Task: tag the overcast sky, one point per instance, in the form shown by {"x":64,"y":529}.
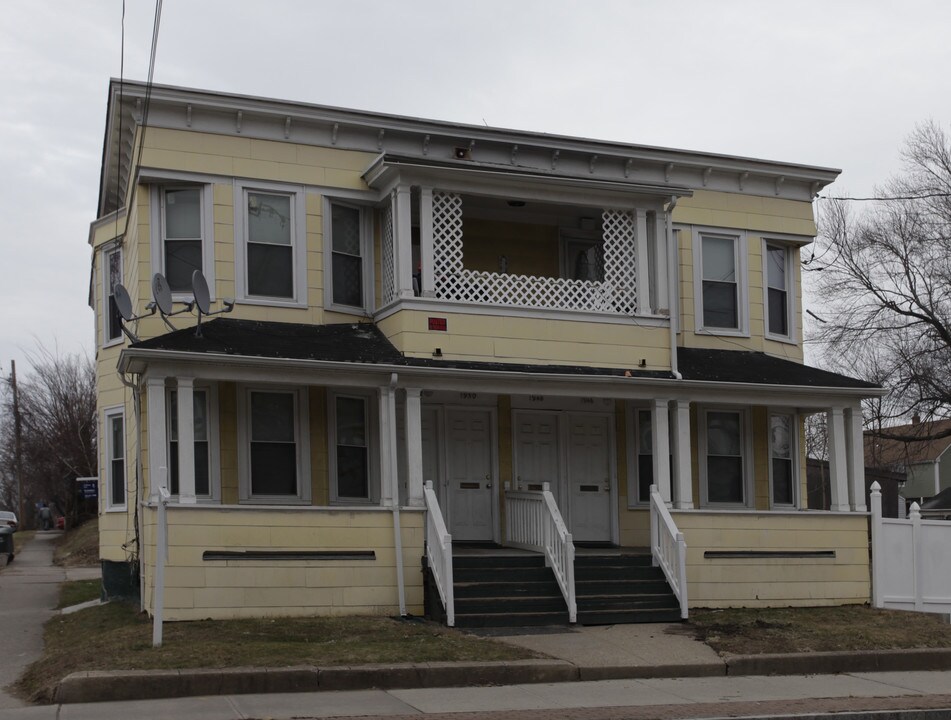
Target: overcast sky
{"x":837,"y":84}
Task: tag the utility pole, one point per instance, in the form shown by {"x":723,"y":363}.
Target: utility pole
{"x":17,"y":435}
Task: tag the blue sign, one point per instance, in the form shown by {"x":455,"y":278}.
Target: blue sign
{"x":89,"y":489}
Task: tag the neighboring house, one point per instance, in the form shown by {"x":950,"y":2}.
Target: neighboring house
{"x":820,"y":491}
{"x":486,"y":309}
{"x":938,"y":507}
{"x":925,"y":462}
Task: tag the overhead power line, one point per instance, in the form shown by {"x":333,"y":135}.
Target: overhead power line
{"x":926,"y":196}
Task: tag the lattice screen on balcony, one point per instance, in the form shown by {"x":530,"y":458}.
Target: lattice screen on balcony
{"x":616,"y":294}
{"x":387,"y":264}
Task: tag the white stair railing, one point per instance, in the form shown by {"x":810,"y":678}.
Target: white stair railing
{"x":439,"y":552}
{"x":533,"y":522}
{"x":668,"y":548}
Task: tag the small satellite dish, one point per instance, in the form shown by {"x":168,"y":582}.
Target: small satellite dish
{"x":123,"y":302}
{"x":200,"y":290}
{"x":162,"y":293}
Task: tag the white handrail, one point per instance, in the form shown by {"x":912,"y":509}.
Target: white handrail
{"x":439,"y":552}
{"x":668,"y":548}
{"x":533,"y":522}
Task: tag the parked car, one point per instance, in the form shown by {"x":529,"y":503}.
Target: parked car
{"x":8,"y":519}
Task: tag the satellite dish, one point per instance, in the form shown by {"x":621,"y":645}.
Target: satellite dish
{"x":200,"y":290}
{"x":162,"y":293}
{"x":123,"y":302}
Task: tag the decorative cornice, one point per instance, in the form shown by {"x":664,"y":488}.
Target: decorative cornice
{"x":558,"y":155}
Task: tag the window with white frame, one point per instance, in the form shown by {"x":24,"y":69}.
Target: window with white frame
{"x":271,"y":254}
{"x":720,"y":273}
{"x":183,"y":241}
{"x":202,"y":434}
{"x":645,"y":456}
{"x":582,"y":255}
{"x":347,"y":241}
{"x":115,"y":457}
{"x":778,"y":261}
{"x":111,"y":276}
{"x":274,"y":440}
{"x":351,"y":461}
{"x":724,"y":458}
{"x":782,"y":466}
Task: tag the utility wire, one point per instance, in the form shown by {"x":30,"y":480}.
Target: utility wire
{"x":148,"y":89}
{"x":925,"y":196}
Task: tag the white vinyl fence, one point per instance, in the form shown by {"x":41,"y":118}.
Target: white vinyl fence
{"x":911,"y":560}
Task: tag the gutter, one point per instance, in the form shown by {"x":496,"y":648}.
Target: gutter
{"x":673,"y":294}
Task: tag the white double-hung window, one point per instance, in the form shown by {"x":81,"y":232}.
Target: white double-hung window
{"x":720,"y":279}
{"x":273,"y":435}
{"x":347,"y":234}
{"x":724,"y":468}
{"x":777,"y":273}
{"x":183,"y":241}
{"x":111,"y":276}
{"x":270,"y":228}
{"x":114,"y":421}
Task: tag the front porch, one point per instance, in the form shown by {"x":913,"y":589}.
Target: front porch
{"x":708,"y":475}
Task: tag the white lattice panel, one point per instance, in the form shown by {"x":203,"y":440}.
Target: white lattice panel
{"x":616,"y":294}
{"x":447,"y":236}
{"x":620,"y":258}
{"x":387,"y":264}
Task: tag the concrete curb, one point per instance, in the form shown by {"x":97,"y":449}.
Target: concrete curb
{"x":105,"y":686}
{"x":830,"y":663}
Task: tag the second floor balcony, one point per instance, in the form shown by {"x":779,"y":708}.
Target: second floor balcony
{"x":525,"y":247}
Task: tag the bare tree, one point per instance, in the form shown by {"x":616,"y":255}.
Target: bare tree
{"x":58,"y":415}
{"x":886,"y":283}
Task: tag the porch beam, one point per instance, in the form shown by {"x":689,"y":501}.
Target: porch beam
{"x":186,"y":440}
{"x":426,"y":252}
{"x":414,"y":448}
{"x":855,"y":458}
{"x":158,"y":439}
{"x":838,"y":463}
{"x":403,"y":241}
{"x":680,"y":434}
{"x":660,"y":441}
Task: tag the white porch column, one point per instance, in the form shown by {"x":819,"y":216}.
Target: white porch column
{"x":186,"y":440}
{"x":659,"y":241}
{"x":838,"y":463}
{"x":388,"y":475}
{"x":660,"y":437}
{"x":158,"y":440}
{"x":680,"y":434}
{"x":403,"y":239}
{"x":855,"y":458}
{"x":642,"y":267}
{"x":414,"y":447}
{"x":426,"y":254}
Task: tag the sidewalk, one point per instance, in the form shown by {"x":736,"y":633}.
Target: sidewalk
{"x":29,"y":589}
{"x":657,"y":698}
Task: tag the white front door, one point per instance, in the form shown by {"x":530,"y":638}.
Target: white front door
{"x":536,"y":437}
{"x":469,"y":477}
{"x":589,"y":478}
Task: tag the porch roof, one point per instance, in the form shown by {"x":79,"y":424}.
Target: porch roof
{"x":365,"y":344}
{"x":740,"y":366}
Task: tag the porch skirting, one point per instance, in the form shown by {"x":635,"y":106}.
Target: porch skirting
{"x":838,"y":578}
{"x":358,"y":577}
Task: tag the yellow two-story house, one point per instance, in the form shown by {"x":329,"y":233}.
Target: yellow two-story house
{"x":458,"y":357}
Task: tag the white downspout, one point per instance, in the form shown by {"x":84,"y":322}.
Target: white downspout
{"x":395,"y":491}
{"x":673,"y":286}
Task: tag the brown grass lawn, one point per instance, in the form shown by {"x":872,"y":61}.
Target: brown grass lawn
{"x":78,"y":546}
{"x":802,"y":630}
{"x":117,"y":637}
